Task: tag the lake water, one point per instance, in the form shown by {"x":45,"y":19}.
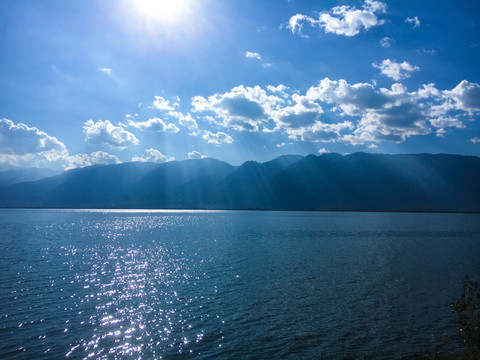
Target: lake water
{"x":227,"y":284}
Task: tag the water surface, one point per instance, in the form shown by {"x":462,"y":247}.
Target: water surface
{"x":210,"y":284}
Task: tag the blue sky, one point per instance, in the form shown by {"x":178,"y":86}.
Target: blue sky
{"x":96,"y":82}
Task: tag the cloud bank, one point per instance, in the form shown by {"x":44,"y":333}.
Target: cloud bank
{"x":24,"y":146}
{"x":336,"y":111}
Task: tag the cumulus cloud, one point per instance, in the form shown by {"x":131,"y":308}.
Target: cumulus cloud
{"x":303,"y":113}
{"x":153,"y":155}
{"x":95,"y":158}
{"x":162,"y":104}
{"x":342,"y":20}
{"x":391,"y":114}
{"x":242,"y":109}
{"x":320,"y":131}
{"x":217,"y":138}
{"x":323,"y":151}
{"x":352,"y":100}
{"x":105,"y":133}
{"x":337,"y":111}
{"x":24,"y":146}
{"x":394,"y":123}
{"x":20,"y":139}
{"x":386,"y":41}
{"x":196,"y":155}
{"x":394,"y":70}
{"x":184,"y":120}
{"x":279,"y":89}
{"x":444,"y":122}
{"x":415,"y":21}
{"x":475,"y":140}
{"x":465,"y":97}
{"x":253,"y":55}
{"x":152,"y":124}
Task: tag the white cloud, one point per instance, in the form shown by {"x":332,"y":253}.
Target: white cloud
{"x":253,"y":55}
{"x":394,"y":123}
{"x":153,"y":155}
{"x":217,"y":138}
{"x":386,"y":41}
{"x":323,"y":151}
{"x":152,"y":124}
{"x":352,"y":100}
{"x":475,"y":140}
{"x":243,"y":108}
{"x":320,"y":132}
{"x":443,"y":122}
{"x":465,"y":96}
{"x":196,"y":155}
{"x":385,"y":115}
{"x":279,"y":89}
{"x":20,"y":139}
{"x":295,"y":23}
{"x":303,"y":113}
{"x":394,"y":70}
{"x":95,"y":158}
{"x":184,"y":120}
{"x":24,"y":146}
{"x":105,"y":133}
{"x":107,"y":71}
{"x":162,"y":104}
{"x":342,"y":20}
{"x":415,"y":21}
{"x":336,"y":111}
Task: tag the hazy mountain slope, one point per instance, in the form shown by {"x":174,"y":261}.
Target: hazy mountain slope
{"x":22,"y":175}
{"x":95,"y":186}
{"x":124,"y":185}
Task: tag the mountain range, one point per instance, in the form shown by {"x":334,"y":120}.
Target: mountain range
{"x":356,"y":182}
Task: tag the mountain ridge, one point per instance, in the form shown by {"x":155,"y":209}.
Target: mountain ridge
{"x":356,"y":182}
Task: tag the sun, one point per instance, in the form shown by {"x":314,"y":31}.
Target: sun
{"x":161,"y":10}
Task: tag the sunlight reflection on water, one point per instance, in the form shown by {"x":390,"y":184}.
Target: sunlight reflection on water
{"x":133,"y":293}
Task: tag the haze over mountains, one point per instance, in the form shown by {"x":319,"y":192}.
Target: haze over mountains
{"x":357,"y":182}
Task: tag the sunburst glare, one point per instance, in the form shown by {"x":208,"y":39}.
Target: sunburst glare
{"x":162,"y":10}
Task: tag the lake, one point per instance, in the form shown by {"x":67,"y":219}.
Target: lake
{"x":230,"y":284}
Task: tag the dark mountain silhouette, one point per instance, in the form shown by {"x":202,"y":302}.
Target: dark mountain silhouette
{"x":358,"y":182}
{"x":250,"y":186}
{"x":421,"y":182}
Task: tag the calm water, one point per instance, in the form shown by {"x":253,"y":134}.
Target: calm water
{"x":207,"y":285}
